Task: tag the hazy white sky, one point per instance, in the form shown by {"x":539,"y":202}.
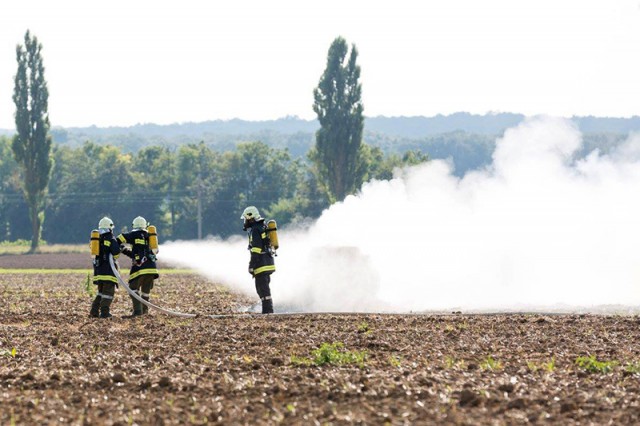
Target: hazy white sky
{"x":127,"y":62}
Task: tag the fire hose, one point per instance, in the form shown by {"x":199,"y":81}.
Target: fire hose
{"x":136,"y":296}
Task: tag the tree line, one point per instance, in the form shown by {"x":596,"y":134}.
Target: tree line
{"x":179,"y":190}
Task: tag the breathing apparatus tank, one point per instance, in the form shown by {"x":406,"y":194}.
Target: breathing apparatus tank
{"x":95,"y":242}
{"x":153,"y":239}
{"x":272,"y":228}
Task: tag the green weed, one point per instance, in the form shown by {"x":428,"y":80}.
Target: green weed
{"x":9,"y":353}
{"x":632,"y":367}
{"x":300,"y":360}
{"x":89,"y":287}
{"x":363,"y":327}
{"x":450,"y":362}
{"x":592,"y":365}
{"x":395,"y":360}
{"x":332,"y":354}
{"x":463,"y":325}
{"x":548,"y":366}
{"x":491,"y":364}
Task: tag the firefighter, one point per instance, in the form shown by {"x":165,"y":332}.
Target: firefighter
{"x":143,"y":263}
{"x":103,"y":275}
{"x":261,"y":265}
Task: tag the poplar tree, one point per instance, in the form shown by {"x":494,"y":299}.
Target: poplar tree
{"x":338,"y":155}
{"x":32,"y":143}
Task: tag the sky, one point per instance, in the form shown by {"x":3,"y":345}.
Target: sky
{"x":127,"y":62}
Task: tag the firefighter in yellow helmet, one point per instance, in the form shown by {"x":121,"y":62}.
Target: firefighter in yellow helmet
{"x":103,"y":276}
{"x":143,"y":263}
{"x":261,"y":264}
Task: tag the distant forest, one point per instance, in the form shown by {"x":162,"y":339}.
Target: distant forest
{"x":466,"y":139}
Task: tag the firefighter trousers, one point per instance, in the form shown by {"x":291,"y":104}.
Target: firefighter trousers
{"x":264,"y":292}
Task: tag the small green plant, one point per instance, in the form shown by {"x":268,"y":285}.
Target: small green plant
{"x":548,"y":366}
{"x":450,"y":362}
{"x":333,"y":354}
{"x":490,"y":364}
{"x":363,"y":327}
{"x":89,"y":287}
{"x":9,"y":353}
{"x":632,"y":367}
{"x":300,"y":360}
{"x":463,"y":325}
{"x":592,"y":365}
{"x":395,"y":360}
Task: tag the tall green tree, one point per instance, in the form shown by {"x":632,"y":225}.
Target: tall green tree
{"x":338,"y":155}
{"x":32,"y":143}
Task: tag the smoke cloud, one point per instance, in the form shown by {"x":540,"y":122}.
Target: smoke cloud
{"x":537,"y":230}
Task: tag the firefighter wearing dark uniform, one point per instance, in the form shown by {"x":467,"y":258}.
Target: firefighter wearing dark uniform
{"x":103,"y":275}
{"x":261,"y":265}
{"x":143,"y":263}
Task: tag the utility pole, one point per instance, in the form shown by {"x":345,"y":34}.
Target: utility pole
{"x":200,"y":192}
{"x":199,"y":205}
{"x":170,"y":156}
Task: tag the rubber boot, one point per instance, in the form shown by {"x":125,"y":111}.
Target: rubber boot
{"x":104,"y":312}
{"x":137,"y":307}
{"x":267,"y":305}
{"x":95,"y":307}
{"x":145,"y":308}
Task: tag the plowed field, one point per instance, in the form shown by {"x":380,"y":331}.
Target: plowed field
{"x":59,"y":366}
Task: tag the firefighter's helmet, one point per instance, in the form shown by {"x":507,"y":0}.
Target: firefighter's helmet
{"x":139,"y":223}
{"x":105,"y":223}
{"x":250,"y":213}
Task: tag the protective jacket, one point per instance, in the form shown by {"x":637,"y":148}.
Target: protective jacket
{"x":261,"y":257}
{"x":101,"y":266}
{"x":143,"y":261}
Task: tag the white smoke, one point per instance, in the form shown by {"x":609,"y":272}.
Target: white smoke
{"x":536,"y":230}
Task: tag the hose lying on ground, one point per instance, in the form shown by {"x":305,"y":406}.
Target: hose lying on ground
{"x":186,"y":315}
{"x":136,"y":296}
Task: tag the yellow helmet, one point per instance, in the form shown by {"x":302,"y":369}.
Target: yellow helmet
{"x":139,"y":223}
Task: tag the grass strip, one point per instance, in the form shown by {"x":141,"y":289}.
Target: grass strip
{"x":83,"y":271}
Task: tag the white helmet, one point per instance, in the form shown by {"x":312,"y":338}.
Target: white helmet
{"x":249,"y":213}
{"x":139,"y":223}
{"x":105,"y":223}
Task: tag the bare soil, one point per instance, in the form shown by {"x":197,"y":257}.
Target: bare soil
{"x":242,"y":369}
